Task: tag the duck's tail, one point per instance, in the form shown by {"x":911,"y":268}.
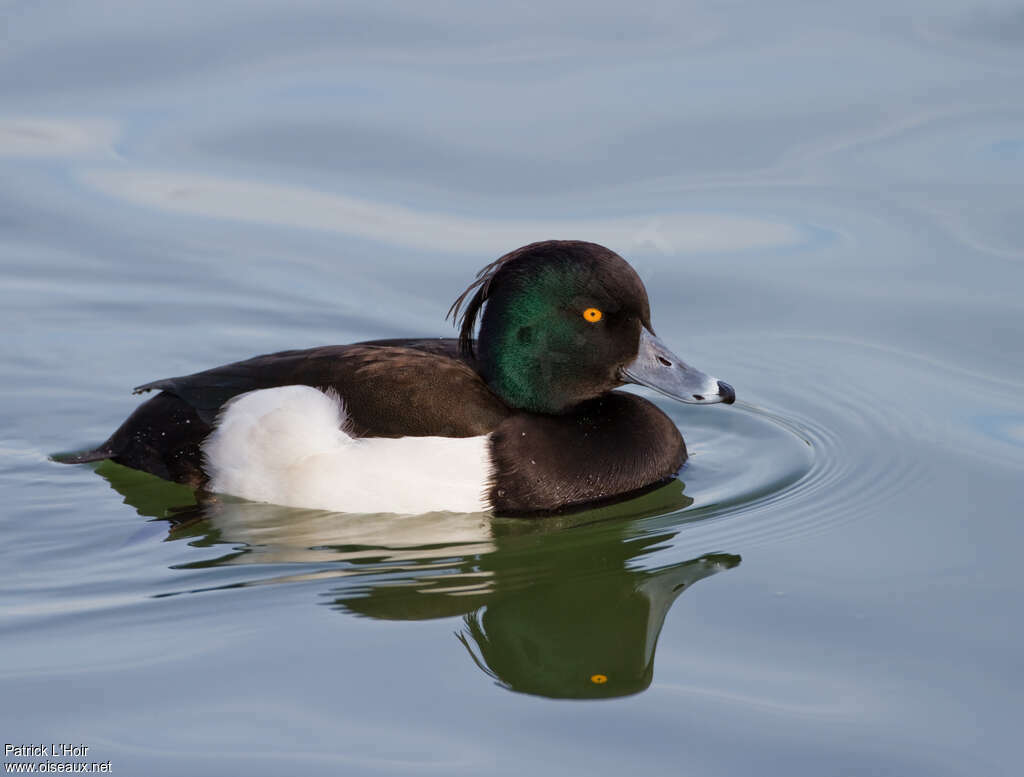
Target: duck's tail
{"x":83,"y":457}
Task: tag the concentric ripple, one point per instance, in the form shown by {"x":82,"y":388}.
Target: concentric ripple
{"x":844,"y":404}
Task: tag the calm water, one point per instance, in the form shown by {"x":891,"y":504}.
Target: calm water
{"x":828,"y":210}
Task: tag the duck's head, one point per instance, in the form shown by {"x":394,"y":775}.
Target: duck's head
{"x":566,"y":321}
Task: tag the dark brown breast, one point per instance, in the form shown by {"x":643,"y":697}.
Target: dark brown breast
{"x":602,"y":450}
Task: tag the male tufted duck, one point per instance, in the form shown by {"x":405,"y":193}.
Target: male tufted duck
{"x":523,"y":420}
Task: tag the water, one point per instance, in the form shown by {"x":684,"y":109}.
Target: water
{"x":826,"y":207}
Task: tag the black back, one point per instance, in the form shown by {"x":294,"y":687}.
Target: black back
{"x":391,"y":388}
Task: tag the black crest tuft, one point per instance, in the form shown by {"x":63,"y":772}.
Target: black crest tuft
{"x":465,"y":314}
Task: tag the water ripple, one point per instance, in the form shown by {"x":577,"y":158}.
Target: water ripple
{"x":863,"y":449}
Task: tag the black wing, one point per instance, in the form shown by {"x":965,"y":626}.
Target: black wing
{"x":393,"y":388}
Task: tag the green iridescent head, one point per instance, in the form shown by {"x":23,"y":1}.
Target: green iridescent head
{"x":566,"y":321}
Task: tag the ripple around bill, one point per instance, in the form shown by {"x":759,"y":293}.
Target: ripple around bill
{"x":861,"y":413}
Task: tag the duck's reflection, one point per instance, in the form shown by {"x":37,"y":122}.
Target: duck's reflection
{"x":584,"y":637}
{"x":560,"y":607}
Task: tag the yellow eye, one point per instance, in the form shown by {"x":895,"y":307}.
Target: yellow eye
{"x":593,"y":315}
{"x":598,"y":679}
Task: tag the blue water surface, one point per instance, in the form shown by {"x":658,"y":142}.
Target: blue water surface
{"x":826,"y":204}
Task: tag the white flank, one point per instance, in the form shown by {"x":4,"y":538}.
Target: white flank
{"x":288,"y":446}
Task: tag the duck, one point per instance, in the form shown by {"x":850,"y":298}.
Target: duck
{"x":520,"y":415}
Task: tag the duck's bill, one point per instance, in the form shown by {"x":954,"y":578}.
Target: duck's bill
{"x":656,"y":367}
